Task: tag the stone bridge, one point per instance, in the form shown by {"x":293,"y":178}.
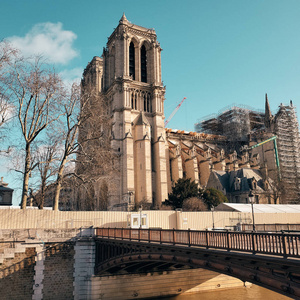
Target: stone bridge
{"x":106,"y":263}
{"x":270,"y":260}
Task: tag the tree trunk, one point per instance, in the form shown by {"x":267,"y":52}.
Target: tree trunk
{"x":58,"y":184}
{"x":26,"y":177}
{"x":57,"y":193}
{"x":41,"y":204}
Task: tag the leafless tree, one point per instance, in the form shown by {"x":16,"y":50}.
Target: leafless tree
{"x":194,"y":204}
{"x":7,"y":55}
{"x":273,"y":186}
{"x":36,"y":91}
{"x":103,"y":196}
{"x":94,"y":159}
{"x":94,"y":155}
{"x":74,"y":117}
{"x":46,"y":157}
{"x":84,"y":136}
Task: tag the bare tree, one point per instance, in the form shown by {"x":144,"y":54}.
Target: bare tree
{"x":96,"y":163}
{"x":36,"y":91}
{"x":74,"y":118}
{"x":45,"y":157}
{"x":194,"y":204}
{"x":94,"y":155}
{"x":273,"y":185}
{"x":89,"y":148}
{"x":7,"y":55}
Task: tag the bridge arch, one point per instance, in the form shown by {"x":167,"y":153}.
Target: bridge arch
{"x":115,"y":257}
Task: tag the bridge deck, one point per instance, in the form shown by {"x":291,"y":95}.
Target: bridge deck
{"x":280,"y":244}
{"x":270,"y":260}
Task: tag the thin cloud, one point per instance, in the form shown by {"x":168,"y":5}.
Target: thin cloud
{"x":49,"y":40}
{"x":71,"y":75}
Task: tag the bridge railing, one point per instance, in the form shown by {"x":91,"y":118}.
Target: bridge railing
{"x":282,"y":244}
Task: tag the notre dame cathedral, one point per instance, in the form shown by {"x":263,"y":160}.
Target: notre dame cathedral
{"x":150,"y":158}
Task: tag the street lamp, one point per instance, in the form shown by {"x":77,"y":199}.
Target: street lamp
{"x":140,"y":210}
{"x":212,"y":211}
{"x":251,"y":199}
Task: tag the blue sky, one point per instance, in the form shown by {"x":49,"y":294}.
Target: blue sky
{"x":215,"y":52}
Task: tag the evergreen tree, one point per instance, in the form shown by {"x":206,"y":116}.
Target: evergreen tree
{"x":183,"y":189}
{"x":213,"y":197}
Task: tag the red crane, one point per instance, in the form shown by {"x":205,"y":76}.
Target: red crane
{"x":174,"y":112}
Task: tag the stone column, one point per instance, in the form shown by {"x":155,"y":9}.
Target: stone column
{"x":142,"y":159}
{"x":84,"y":267}
{"x":39,"y":273}
{"x":176,"y":165}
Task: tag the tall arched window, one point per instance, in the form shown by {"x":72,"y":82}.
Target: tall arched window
{"x":131,"y":61}
{"x":143,"y":64}
{"x":145,"y":102}
{"x":149,"y":106}
{"x":132,"y":101}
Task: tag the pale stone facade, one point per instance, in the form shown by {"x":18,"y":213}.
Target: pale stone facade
{"x":128,"y":76}
{"x":150,"y":159}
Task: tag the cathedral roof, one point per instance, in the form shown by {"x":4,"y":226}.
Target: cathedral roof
{"x":141,"y":120}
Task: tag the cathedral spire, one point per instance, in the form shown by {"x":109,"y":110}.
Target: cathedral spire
{"x":268,"y":114}
{"x":123,"y":19}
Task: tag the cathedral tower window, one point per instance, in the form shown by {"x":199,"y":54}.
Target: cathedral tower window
{"x":145,"y":102}
{"x":149,"y":106}
{"x":131,"y":61}
{"x":143,"y":64}
{"x":133,"y":101}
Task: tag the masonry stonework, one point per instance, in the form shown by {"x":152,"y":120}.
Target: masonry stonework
{"x":58,"y":272}
{"x":159,"y":284}
{"x":17,"y":276}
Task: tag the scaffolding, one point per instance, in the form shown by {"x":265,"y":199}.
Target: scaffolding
{"x":287,"y":131}
{"x":234,"y":122}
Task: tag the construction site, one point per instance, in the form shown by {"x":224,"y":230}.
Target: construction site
{"x":287,"y":131}
{"x":234,"y":122}
{"x":272,"y":139}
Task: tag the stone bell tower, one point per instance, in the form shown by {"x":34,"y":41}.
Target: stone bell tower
{"x":129,"y":79}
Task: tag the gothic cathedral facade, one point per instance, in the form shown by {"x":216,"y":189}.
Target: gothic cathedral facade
{"x":148,"y":158}
{"x":128,"y":77}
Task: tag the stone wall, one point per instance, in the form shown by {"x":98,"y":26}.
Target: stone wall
{"x":58,"y":272}
{"x":29,"y":269}
{"x":17,"y":276}
{"x":158,"y":284}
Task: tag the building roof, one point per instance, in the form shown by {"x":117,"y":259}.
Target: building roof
{"x":227,"y":179}
{"x":141,"y":119}
{"x":259,"y":208}
{"x":5,"y":189}
{"x":223,"y":178}
{"x":4,"y":186}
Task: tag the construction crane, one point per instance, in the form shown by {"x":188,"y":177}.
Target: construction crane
{"x":174,"y":112}
{"x":273,"y":138}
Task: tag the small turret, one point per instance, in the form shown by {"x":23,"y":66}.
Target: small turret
{"x":268,"y":114}
{"x":123,"y":19}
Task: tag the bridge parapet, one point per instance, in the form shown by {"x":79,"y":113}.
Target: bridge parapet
{"x":266,"y":259}
{"x":280,"y":244}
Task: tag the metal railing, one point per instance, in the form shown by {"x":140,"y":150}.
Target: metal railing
{"x":271,"y":227}
{"x":280,"y":244}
